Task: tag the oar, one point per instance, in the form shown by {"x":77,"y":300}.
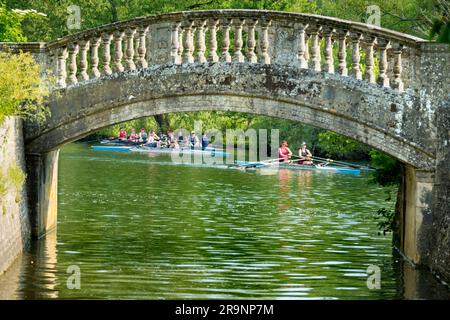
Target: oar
{"x":342,"y":163}
{"x":321,"y":161}
{"x":251,"y":164}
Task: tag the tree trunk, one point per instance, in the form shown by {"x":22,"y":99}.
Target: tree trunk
{"x":163,"y":121}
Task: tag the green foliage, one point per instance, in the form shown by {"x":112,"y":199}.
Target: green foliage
{"x":440,"y":30}
{"x":408,"y":16}
{"x":388,"y":170}
{"x":11,"y":22}
{"x":385,"y":220}
{"x":22,"y":92}
{"x":338,"y":146}
{"x":10,"y":25}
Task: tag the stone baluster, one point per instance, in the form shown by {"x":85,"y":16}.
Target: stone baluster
{"x":226,"y":26}
{"x":212,"y":25}
{"x":129,"y":52}
{"x":95,"y":43}
{"x":106,"y":57}
{"x":118,"y":51}
{"x":251,"y":41}
{"x":84,"y":47}
{"x":181,"y":35}
{"x":137,"y":40}
{"x":264,"y":41}
{"x":201,"y":46}
{"x":356,"y":70}
{"x":189,"y":42}
{"x":175,"y":47}
{"x":342,"y":52}
{"x":238,"y":42}
{"x":73,"y":52}
{"x":142,"y":47}
{"x":315,"y":62}
{"x":328,"y":50}
{"x":397,"y":82}
{"x":307,"y":55}
{"x":302,"y":46}
{"x":62,"y":68}
{"x":369,"y":75}
{"x":383,"y":78}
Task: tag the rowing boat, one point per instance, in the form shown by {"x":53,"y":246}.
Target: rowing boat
{"x":207,"y":151}
{"x":143,"y":149}
{"x":118,"y":142}
{"x":112,"y":148}
{"x":294,"y":166}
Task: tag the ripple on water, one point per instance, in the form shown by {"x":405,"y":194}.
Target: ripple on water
{"x":142,"y":227}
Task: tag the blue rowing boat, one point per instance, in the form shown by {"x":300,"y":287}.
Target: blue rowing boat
{"x":207,"y":151}
{"x":112,"y":148}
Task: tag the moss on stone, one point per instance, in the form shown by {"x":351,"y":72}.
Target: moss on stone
{"x":16,"y":177}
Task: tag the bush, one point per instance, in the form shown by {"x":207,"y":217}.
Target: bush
{"x":22,"y":92}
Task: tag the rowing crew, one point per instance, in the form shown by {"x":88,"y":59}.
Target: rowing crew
{"x":154,"y":140}
{"x":304,"y":155}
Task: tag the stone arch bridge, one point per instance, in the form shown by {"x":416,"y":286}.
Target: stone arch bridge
{"x":383,"y":88}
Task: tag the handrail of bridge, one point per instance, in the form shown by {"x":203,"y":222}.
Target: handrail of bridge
{"x":323,"y":44}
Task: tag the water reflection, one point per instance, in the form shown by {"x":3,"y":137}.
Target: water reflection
{"x":140,"y":228}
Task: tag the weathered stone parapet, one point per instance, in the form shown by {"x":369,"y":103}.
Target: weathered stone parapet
{"x":42,"y":186}
{"x":270,"y":37}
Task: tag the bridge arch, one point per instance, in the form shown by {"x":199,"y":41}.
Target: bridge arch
{"x":372,"y":116}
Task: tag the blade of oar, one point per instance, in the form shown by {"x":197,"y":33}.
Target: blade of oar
{"x":339,"y":162}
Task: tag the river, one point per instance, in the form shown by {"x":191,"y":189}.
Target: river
{"x":139,"y":227}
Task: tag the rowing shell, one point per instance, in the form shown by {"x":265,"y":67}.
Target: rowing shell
{"x":262,"y":165}
{"x":211,"y":151}
{"x":207,"y":151}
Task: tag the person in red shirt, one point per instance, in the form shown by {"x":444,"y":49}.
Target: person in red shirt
{"x":122,"y":134}
{"x":284,"y":153}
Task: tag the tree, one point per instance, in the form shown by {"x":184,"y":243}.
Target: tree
{"x":22,"y":93}
{"x":440,"y":24}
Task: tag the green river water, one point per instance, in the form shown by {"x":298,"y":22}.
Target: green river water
{"x":140,"y":227}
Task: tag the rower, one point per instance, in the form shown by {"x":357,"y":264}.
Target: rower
{"x":304,"y":155}
{"x":284,"y":153}
{"x":205,"y":141}
{"x":152,"y":140}
{"x":170,"y":136}
{"x":133,"y":136}
{"x":174,"y":145}
{"x":122,"y":134}
{"x":143,"y":135}
{"x":193,"y":140}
